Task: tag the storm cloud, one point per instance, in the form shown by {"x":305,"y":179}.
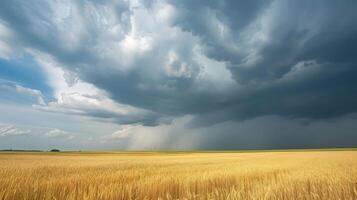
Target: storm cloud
{"x":215,"y":61}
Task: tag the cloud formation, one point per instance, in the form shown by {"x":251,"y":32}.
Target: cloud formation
{"x":11,"y":130}
{"x":31,"y":92}
{"x":9,"y":89}
{"x":217,"y":61}
{"x":58,"y":134}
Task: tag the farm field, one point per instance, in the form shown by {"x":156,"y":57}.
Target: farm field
{"x":179,"y":175}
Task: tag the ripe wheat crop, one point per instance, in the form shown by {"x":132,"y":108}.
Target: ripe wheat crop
{"x":192,"y":175}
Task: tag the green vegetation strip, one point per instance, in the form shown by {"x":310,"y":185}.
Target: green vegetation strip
{"x":151,"y":153}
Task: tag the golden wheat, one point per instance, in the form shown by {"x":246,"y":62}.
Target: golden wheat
{"x":259,"y":175}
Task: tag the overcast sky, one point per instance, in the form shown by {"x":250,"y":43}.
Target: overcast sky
{"x":185,"y":74}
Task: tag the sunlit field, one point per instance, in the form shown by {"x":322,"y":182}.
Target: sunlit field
{"x":179,"y":175}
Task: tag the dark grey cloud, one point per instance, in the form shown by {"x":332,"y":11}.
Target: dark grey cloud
{"x":292,"y":58}
{"x":288,"y":58}
{"x":268,"y":132}
{"x":272,"y":132}
{"x":210,"y":20}
{"x":263,"y":41}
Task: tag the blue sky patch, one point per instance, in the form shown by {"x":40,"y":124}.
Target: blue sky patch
{"x":26,"y":72}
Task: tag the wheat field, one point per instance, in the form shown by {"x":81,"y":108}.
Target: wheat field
{"x":180,"y":175}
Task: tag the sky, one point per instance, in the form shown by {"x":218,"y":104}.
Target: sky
{"x":178,"y":75}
